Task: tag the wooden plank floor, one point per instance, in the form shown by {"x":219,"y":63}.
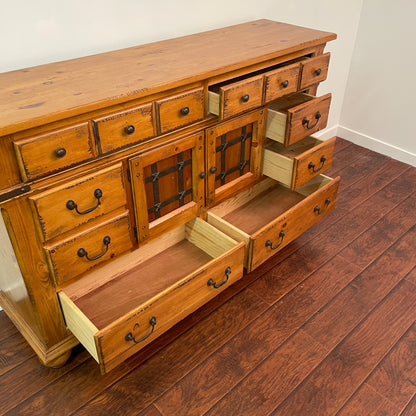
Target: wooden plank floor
{"x":325,"y":327}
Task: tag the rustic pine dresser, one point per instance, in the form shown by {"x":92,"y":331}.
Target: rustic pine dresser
{"x":138,"y":184}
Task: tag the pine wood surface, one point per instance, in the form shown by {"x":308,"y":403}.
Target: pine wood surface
{"x":33,"y":96}
{"x":324,"y":327}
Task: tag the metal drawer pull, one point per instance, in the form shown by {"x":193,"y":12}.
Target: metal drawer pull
{"x":306,"y":121}
{"x":71,"y":205}
{"x":185,"y":111}
{"x":60,"y":153}
{"x":245,"y":98}
{"x":312,"y":165}
{"x":318,"y":211}
{"x":216,"y":286}
{"x":130,"y":337}
{"x":270,"y":244}
{"x":130,"y":129}
{"x":83,"y":253}
{"x":317,"y":72}
{"x":285,"y":83}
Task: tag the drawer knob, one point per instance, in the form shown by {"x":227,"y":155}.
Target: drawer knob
{"x":227,"y":273}
{"x":72,"y":205}
{"x":318,"y":211}
{"x":270,"y":244}
{"x":60,"y":153}
{"x":185,"y":111}
{"x":202,"y":175}
{"x":130,"y":129}
{"x":213,"y":169}
{"x":130,"y":337}
{"x":311,"y":165}
{"x":318,"y":72}
{"x":245,"y":98}
{"x":83,"y":253}
{"x":285,"y":83}
{"x":306,"y":121}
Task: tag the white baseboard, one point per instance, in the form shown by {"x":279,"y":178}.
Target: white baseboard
{"x":376,"y":145}
{"x":327,"y":133}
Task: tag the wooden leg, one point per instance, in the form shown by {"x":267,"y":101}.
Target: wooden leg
{"x":58,"y":361}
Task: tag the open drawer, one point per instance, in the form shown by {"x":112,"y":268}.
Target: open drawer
{"x":268,"y":216}
{"x":298,"y":163}
{"x":121,"y":308}
{"x":297,"y":116}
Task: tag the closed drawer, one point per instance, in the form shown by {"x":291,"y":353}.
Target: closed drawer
{"x":88,"y":248}
{"x":298,"y":163}
{"x":125,"y":128}
{"x":314,"y":70}
{"x":269,"y":216}
{"x":180,"y":110}
{"x":281,"y":82}
{"x":295,"y":117}
{"x":54,"y":151}
{"x":228,"y":99}
{"x":65,"y":207}
{"x":155,"y":287}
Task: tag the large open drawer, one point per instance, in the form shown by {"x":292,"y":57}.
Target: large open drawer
{"x":119,"y":309}
{"x":268,"y":216}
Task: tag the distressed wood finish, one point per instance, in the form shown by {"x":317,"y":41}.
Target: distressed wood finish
{"x":126,"y":127}
{"x":103,"y":182}
{"x":51,"y":152}
{"x":299,"y":163}
{"x":314,"y":70}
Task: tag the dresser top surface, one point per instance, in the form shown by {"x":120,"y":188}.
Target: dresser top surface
{"x":34,"y":96}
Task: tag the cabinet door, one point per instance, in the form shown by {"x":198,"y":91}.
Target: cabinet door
{"x":234,"y":155}
{"x":168,"y":186}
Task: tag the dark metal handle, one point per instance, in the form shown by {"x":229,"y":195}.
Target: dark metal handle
{"x":130,"y":337}
{"x":60,"y":153}
{"x":218,"y":285}
{"x":245,"y":98}
{"x":270,"y":244}
{"x":71,"y":205}
{"x":213,"y":169}
{"x":185,"y":111}
{"x":318,"y":211}
{"x":311,"y":165}
{"x":318,"y":72}
{"x":306,"y":121}
{"x":285,"y":83}
{"x":83,"y":253}
{"x":202,"y":175}
{"x":130,"y":129}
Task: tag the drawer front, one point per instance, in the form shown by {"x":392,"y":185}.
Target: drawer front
{"x":241,"y":96}
{"x":125,"y":128}
{"x":291,"y":224}
{"x":83,"y":251}
{"x":314,"y":70}
{"x":180,"y":110}
{"x":313,"y":162}
{"x":281,"y":82}
{"x":307,"y":118}
{"x":54,"y":151}
{"x":65,"y":207}
{"x":115,"y":345}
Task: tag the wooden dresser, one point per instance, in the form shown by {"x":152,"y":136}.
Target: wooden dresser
{"x":138,"y":184}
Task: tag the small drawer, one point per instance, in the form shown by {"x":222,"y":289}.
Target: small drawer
{"x":295,"y":117}
{"x":88,"y":248}
{"x":314,"y":70}
{"x":268,"y":216}
{"x":281,"y":82}
{"x":298,"y":163}
{"x":65,"y":207}
{"x":228,"y":99}
{"x":125,"y":128}
{"x":155,"y":287}
{"x":54,"y":151}
{"x":180,"y":110}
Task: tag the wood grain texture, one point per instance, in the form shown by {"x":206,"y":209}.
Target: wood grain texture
{"x":314,"y":70}
{"x":89,"y":81}
{"x":281,"y":82}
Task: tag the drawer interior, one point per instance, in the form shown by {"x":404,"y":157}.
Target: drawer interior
{"x":132,"y":283}
{"x":253,"y":209}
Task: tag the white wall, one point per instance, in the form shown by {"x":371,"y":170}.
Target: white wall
{"x":379,"y":110}
{"x":43,"y":31}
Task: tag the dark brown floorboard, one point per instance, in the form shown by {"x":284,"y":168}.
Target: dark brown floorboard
{"x":325,"y":327}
